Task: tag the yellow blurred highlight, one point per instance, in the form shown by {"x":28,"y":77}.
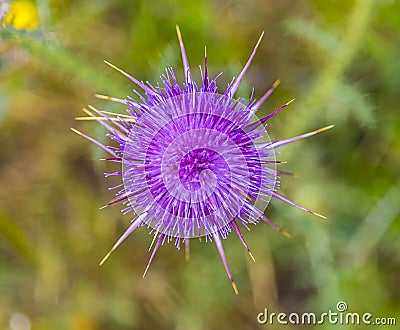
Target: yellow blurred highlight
{"x":82,"y":321}
{"x":23,"y":14}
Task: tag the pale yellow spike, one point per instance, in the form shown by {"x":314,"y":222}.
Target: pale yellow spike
{"x":76,"y":131}
{"x":287,"y":103}
{"x":251,"y":256}
{"x":319,"y":215}
{"x":133,"y":79}
{"x":235,"y":287}
{"x":323,"y":129}
{"x":102,"y":118}
{"x":276,"y":83}
{"x":145,"y":271}
{"x":130,"y":120}
{"x":284,"y":232}
{"x":259,"y":39}
{"x":152,"y":242}
{"x":106,"y":257}
{"x":116,"y":114}
{"x":115,"y":67}
{"x":109,"y":98}
{"x":127,"y":118}
{"x":89,"y":118}
{"x":89,"y":112}
{"x":92,"y":108}
{"x":178,"y":32}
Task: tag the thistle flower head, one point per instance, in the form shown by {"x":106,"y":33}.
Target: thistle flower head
{"x":195,"y":162}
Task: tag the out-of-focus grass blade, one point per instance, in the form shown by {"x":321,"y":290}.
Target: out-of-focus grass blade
{"x":313,"y":33}
{"x":326,"y":84}
{"x":61,"y":60}
{"x":373,"y":228}
{"x":15,"y":237}
{"x":356,"y":104}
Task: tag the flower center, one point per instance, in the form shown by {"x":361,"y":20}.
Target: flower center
{"x":190,"y":165}
{"x":194,"y":167}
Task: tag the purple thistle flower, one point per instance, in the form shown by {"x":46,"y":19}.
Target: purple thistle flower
{"x":194,"y":162}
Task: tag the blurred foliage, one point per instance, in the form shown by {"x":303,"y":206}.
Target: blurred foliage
{"x":338,"y":58}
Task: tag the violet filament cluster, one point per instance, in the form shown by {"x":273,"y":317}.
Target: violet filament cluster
{"x":195,"y":162}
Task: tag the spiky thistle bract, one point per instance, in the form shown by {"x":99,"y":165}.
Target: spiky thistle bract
{"x":195,"y":162}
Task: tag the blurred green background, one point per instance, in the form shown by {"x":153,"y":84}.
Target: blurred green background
{"x":339,"y":59}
